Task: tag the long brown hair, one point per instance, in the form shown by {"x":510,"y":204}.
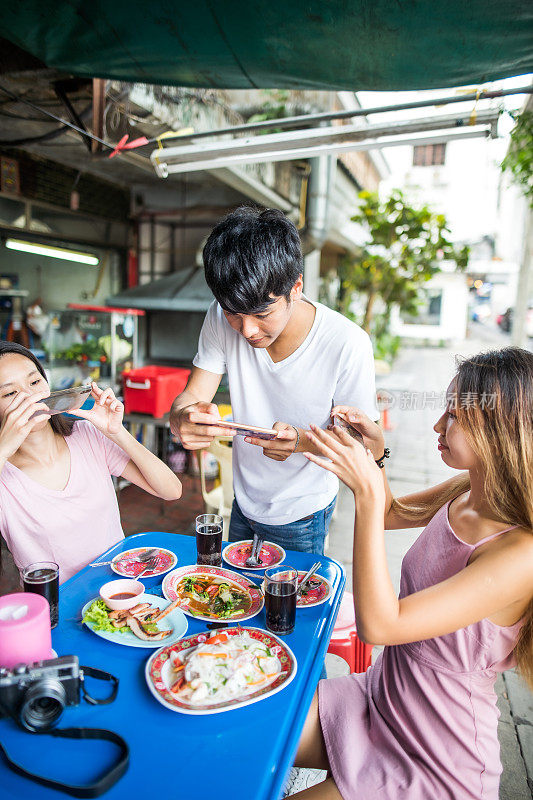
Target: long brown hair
{"x":494,"y":407}
{"x":60,"y":423}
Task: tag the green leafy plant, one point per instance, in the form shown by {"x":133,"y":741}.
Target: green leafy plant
{"x":90,"y":350}
{"x":519,"y":158}
{"x":273,"y":107}
{"x":405,"y":250}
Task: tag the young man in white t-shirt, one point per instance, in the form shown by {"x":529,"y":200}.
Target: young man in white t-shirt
{"x":289,"y":363}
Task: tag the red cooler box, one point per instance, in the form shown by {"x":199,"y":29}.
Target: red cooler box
{"x":151,"y":389}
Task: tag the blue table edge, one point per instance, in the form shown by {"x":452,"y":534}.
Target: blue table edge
{"x":289,"y":753}
{"x":287,"y":760}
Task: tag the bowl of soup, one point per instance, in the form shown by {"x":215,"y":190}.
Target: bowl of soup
{"x":122,"y":594}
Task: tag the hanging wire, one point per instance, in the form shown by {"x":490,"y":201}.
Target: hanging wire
{"x":63,"y":122}
{"x":287,"y":122}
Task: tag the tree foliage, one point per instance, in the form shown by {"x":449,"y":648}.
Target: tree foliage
{"x":406,"y":247}
{"x":519,"y":158}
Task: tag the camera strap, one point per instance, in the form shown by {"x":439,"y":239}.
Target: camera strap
{"x":111,"y":776}
{"x":93,"y":672}
{"x":94,"y":789}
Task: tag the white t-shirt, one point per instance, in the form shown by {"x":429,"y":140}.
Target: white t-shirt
{"x":334,"y":365}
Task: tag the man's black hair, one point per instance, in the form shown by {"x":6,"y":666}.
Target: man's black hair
{"x":251,"y":258}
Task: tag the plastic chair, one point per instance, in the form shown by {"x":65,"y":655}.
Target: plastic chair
{"x":219,"y":499}
{"x":345,"y":641}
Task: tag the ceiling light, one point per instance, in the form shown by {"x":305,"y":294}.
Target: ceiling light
{"x":164,"y":169}
{"x":53,"y":252}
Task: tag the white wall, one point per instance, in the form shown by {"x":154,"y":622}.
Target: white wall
{"x":61,"y":282}
{"x":453,"y":317}
{"x":467,"y":188}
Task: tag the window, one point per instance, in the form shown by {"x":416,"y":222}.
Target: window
{"x":429,"y":309}
{"x":429,"y":155}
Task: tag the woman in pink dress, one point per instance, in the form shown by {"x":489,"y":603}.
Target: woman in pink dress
{"x":421,"y":724}
{"x":57,"y":499}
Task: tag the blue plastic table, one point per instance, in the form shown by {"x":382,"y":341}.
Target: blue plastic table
{"x":243,"y":754}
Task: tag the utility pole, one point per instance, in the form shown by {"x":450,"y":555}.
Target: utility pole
{"x":524,"y":290}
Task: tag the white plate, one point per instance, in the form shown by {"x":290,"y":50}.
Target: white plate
{"x":158,"y":675}
{"x":176,"y":622}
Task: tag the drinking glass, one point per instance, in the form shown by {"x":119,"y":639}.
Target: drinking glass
{"x":209,"y":540}
{"x":281,"y":584}
{"x":43,"y":578}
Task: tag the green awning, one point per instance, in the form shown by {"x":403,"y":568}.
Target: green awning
{"x":294,"y":44}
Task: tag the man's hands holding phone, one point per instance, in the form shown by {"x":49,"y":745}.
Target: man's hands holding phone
{"x":280,"y":448}
{"x":197,"y":425}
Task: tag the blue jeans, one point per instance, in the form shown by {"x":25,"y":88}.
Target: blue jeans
{"x":306,"y":535}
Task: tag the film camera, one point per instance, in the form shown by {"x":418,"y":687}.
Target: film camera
{"x":35,"y":695}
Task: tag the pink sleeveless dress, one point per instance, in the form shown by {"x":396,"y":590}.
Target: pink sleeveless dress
{"x":421,"y":723}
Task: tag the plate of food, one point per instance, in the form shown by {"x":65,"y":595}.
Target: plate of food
{"x":235,"y":554}
{"x":128,"y":565}
{"x":213,"y":593}
{"x":316,"y":592}
{"x":230,"y":669}
{"x":148,"y":624}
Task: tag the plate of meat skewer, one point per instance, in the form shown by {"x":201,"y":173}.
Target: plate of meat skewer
{"x":149,"y":624}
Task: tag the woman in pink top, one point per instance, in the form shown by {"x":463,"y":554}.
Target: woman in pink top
{"x":421,"y":724}
{"x":57,"y":500}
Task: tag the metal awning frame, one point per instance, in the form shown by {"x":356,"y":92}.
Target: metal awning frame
{"x":307,"y":120}
{"x":313,"y":142}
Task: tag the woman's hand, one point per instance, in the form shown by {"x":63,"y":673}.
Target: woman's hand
{"x":369,"y":430}
{"x":19,"y":420}
{"x":106,"y":414}
{"x":350,"y":461}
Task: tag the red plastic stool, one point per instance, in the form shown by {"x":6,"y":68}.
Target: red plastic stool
{"x":345,"y":641}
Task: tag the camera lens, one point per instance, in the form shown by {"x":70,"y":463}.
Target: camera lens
{"x":42,"y":705}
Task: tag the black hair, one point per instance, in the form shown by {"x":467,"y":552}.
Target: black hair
{"x":251,"y":258}
{"x":60,"y":424}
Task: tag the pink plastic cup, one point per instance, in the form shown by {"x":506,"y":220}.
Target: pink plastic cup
{"x":25,"y":634}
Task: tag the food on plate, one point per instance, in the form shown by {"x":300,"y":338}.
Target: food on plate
{"x":143,"y":631}
{"x":268,"y":555}
{"x":130,"y":566}
{"x":312,"y":591}
{"x":224,"y":667}
{"x":212,"y":596}
{"x":141,"y":620}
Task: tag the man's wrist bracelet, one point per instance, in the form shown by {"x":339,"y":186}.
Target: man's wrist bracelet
{"x":297,"y":438}
{"x":379,"y":461}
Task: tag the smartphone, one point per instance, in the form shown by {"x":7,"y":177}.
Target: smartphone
{"x":243,"y":430}
{"x":66,"y":399}
{"x":342,"y":423}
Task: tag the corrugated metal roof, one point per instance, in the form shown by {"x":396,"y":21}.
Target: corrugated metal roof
{"x":185,"y":290}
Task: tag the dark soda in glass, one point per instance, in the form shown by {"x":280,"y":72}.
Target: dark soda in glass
{"x":280,"y":606}
{"x":209,"y":545}
{"x":43,"y":578}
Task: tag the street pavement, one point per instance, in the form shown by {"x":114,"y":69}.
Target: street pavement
{"x":416,"y":382}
